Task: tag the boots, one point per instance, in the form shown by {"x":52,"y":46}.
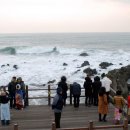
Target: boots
{"x":7,"y":122}
{"x":104,"y":118}
{"x":100,"y":117}
{"x":2,"y":122}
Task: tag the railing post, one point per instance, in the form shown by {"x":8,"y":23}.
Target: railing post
{"x":15,"y":126}
{"x":53,"y":126}
{"x":125,"y":124}
{"x":49,"y":95}
{"x":27,"y":100}
{"x":90,"y":125}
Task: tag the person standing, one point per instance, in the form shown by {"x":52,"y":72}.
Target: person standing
{"x":22,"y":84}
{"x":64,"y":87}
{"x":88,"y":91}
{"x":102,"y":104}
{"x":106,"y":83}
{"x":57,"y":106}
{"x":4,"y":107}
{"x":119,"y":103}
{"x":12,"y":90}
{"x":96,"y":85}
{"x":76,"y":91}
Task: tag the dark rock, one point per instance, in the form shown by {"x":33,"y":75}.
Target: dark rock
{"x":83,"y":54}
{"x":7,"y":64}
{"x":15,"y":66}
{"x":65,"y":64}
{"x":51,"y":81}
{"x":119,"y":78}
{"x":85,"y":63}
{"x":76,"y":71}
{"x":44,"y":85}
{"x":2,"y":66}
{"x":104,"y":65}
{"x":90,"y":71}
{"x":120,"y":64}
{"x":75,"y":60}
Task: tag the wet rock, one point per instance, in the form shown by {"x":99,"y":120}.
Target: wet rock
{"x":90,"y":71}
{"x":65,"y":64}
{"x":85,"y":63}
{"x":119,"y":78}
{"x":83,"y":54}
{"x":104,"y":65}
{"x":15,"y":66}
{"x":2,"y":66}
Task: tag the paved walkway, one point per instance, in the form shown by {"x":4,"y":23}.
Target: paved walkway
{"x":41,"y":117}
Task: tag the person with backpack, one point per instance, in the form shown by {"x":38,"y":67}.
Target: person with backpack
{"x":76,"y":91}
{"x":57,"y":106}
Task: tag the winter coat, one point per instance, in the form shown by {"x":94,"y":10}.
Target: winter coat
{"x":96,"y":87}
{"x":12,"y":88}
{"x":102,"y":104}
{"x":76,"y":89}
{"x":88,"y":87}
{"x":57,"y":104}
{"x":119,"y":102}
{"x":128,"y":100}
{"x":64,"y":87}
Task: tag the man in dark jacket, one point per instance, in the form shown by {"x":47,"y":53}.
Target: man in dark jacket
{"x":64,"y":87}
{"x":76,"y":91}
{"x":57,"y":106}
{"x":12,"y":90}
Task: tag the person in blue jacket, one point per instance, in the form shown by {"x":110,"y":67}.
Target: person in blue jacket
{"x":76,"y":91}
{"x":57,"y":106}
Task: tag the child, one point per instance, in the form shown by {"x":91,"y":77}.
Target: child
{"x":5,"y":111}
{"x":19,"y":97}
{"x":119,"y":103}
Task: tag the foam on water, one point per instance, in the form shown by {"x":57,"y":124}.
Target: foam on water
{"x":38,"y":64}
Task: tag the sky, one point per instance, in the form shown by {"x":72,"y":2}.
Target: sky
{"x":44,"y":16}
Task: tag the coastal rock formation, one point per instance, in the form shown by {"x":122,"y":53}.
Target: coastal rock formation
{"x":119,"y":78}
{"x":104,"y":65}
{"x":85,"y":63}
{"x":65,"y":64}
{"x":90,"y":71}
{"x":83,"y":54}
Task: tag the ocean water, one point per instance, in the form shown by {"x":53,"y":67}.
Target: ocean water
{"x":39,"y":57}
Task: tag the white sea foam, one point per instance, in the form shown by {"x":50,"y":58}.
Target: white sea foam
{"x":38,"y":64}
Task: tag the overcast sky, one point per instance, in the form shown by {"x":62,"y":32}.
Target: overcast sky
{"x":32,"y":16}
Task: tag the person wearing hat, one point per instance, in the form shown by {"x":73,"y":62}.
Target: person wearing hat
{"x":57,"y":106}
{"x":119,"y":103}
{"x":19,"y":97}
{"x":5,"y":111}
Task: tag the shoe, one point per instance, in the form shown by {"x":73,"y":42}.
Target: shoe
{"x":2,"y":122}
{"x":100,"y":120}
{"x":7,"y":122}
{"x":105,"y":120}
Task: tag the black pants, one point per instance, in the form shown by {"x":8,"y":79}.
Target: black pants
{"x":76,"y":100}
{"x":12,"y":100}
{"x":57,"y":119}
{"x":88,"y":100}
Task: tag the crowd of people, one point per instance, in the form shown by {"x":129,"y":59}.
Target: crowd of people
{"x":14,"y":93}
{"x":96,"y":93}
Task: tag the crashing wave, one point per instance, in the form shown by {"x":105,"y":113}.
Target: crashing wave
{"x":8,"y":50}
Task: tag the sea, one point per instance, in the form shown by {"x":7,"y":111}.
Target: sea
{"x":40,"y":57}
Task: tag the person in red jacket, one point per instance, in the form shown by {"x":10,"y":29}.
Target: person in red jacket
{"x":128,"y":100}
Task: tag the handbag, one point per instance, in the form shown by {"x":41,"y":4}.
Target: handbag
{"x":120,"y":110}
